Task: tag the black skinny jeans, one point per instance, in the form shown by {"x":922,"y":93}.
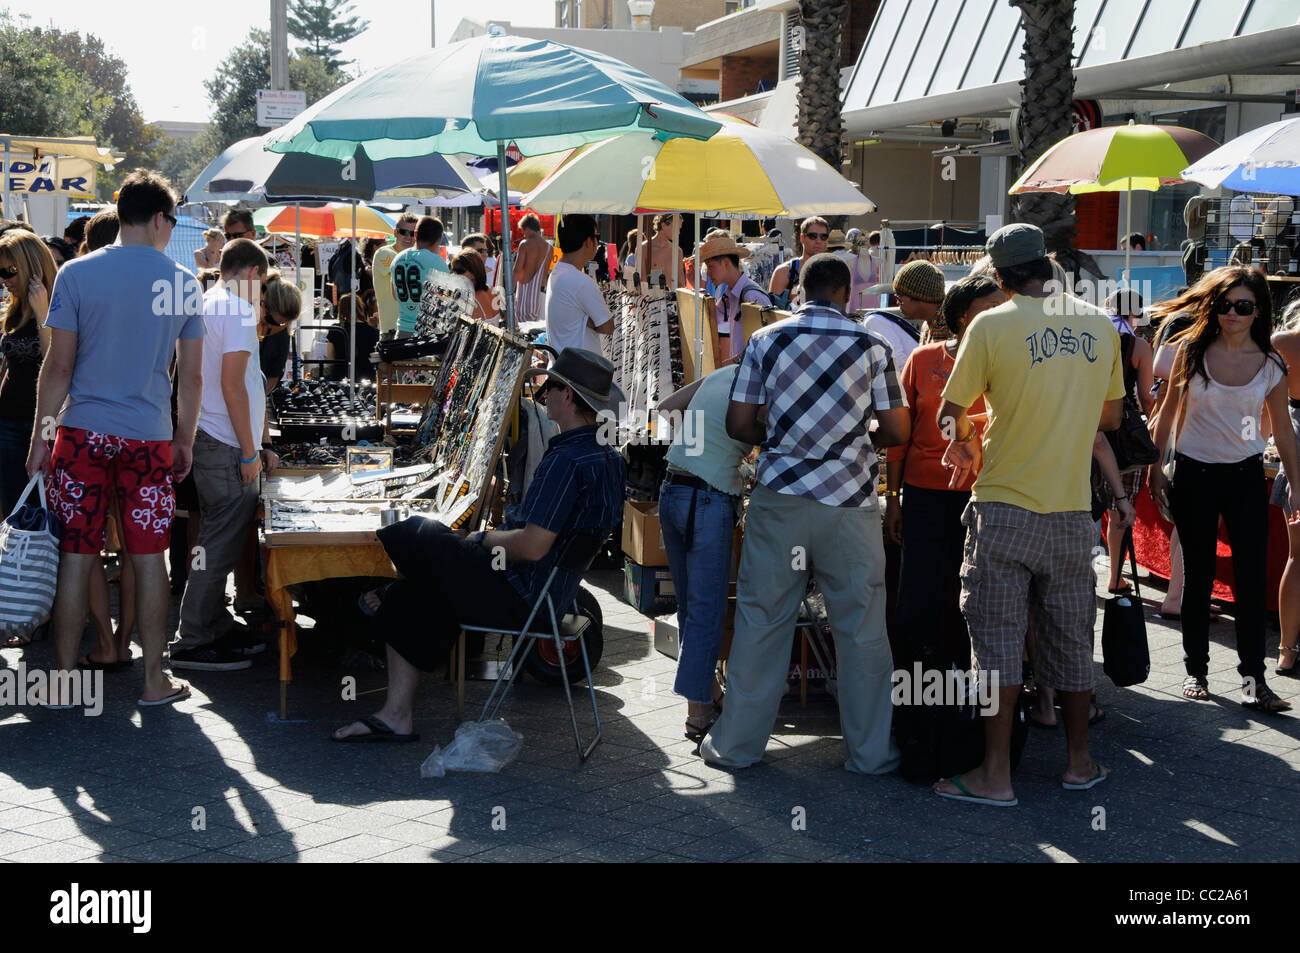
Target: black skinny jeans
{"x":1200,"y":494}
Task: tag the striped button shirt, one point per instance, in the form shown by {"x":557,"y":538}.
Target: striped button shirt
{"x":577,"y":489}
{"x":822,"y":376}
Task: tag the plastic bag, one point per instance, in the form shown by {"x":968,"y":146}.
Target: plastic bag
{"x":478,"y":746}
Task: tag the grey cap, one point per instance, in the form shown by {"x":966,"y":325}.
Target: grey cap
{"x":1015,"y":245}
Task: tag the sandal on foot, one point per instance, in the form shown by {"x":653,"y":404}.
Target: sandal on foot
{"x":972,"y":798}
{"x":380,"y":731}
{"x":696,"y":734}
{"x":38,"y":634}
{"x":1196,"y":688}
{"x":1092,"y":782}
{"x":1291,"y":670}
{"x":1259,"y":697}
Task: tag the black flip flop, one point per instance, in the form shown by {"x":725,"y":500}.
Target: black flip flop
{"x":379,"y":732}
{"x":90,"y":665}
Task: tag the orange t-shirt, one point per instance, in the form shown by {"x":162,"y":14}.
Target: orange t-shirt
{"x":924,"y":378}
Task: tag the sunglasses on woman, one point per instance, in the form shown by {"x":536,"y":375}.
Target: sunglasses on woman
{"x":1241,"y":306}
{"x":8,"y":273}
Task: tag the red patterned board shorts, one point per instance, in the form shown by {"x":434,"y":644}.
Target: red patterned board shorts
{"x":86,"y":467}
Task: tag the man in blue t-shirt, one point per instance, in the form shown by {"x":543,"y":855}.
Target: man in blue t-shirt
{"x":411,"y":268}
{"x":494,"y":578}
{"x":117,"y":316}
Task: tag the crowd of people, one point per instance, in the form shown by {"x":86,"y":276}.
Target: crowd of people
{"x":989,"y":400}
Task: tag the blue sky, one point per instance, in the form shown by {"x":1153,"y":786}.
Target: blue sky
{"x":170,"y":51}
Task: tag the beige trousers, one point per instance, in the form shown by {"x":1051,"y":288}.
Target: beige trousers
{"x":786,"y":537}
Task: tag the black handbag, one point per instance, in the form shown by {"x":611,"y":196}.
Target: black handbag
{"x":1132,"y":442}
{"x":1126,"y":659}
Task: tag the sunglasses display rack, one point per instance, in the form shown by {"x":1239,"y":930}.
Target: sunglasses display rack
{"x":1261,"y":230}
{"x":762,"y":262}
{"x":446,"y":298}
{"x":311,"y":410}
{"x":645,"y":349}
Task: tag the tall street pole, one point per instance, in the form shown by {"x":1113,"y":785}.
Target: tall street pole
{"x":433,"y":23}
{"x":279,"y":45}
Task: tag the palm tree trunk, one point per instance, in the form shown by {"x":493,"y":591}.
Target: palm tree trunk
{"x":821,"y":124}
{"x":1045,"y":95}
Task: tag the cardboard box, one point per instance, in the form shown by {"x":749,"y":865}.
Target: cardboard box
{"x":643,"y":544}
{"x":664,"y":635}
{"x":649,"y":589}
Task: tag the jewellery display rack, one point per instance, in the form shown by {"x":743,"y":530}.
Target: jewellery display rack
{"x":464,"y":422}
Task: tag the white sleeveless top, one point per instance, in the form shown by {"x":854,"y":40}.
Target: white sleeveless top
{"x":1223,"y":424}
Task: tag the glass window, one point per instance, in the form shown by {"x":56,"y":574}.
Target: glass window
{"x":1112,"y":32}
{"x":1215,"y":21}
{"x":961,"y":46}
{"x":1085,"y":14}
{"x":987,"y":61}
{"x":1270,"y":15}
{"x":1013,"y":66}
{"x":1159,"y":29}
{"x":877,"y":51}
{"x":937,"y":30}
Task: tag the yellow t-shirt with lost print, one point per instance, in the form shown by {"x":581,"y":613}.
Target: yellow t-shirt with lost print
{"x":1045,"y":367}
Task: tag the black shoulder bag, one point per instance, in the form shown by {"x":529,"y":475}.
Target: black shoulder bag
{"x":1126,"y":660}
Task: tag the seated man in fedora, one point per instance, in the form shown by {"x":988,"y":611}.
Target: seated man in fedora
{"x":720,"y":256}
{"x":494,"y":577}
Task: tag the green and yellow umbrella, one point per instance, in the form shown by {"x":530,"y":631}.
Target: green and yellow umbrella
{"x":1116,"y":159}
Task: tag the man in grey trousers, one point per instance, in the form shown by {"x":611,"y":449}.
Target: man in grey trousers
{"x":229,"y":451}
{"x":821,"y":377}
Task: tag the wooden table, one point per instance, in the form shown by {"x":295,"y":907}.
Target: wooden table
{"x":288,"y":565}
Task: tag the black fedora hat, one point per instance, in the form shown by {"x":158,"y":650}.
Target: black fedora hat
{"x":590,"y":376}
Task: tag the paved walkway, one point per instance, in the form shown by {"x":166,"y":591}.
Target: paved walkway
{"x":219,"y":779}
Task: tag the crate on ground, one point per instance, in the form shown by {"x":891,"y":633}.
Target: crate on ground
{"x":649,"y":589}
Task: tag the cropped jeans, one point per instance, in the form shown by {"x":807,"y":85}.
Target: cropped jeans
{"x":700,"y":578}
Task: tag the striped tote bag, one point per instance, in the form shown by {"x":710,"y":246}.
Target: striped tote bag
{"x":29,"y":563}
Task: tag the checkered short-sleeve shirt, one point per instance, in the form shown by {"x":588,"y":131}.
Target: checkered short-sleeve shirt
{"x":822,"y":376}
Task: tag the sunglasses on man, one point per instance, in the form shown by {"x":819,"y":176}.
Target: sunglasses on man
{"x":406,"y":232}
{"x":817,"y":236}
{"x":230,"y":236}
{"x":1241,"y":306}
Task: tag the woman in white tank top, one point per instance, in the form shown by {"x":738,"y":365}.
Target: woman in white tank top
{"x":1226,"y":375}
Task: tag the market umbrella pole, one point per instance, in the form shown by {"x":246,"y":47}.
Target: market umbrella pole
{"x":699,"y":304}
{"x":297,"y":281}
{"x":506,"y":258}
{"x":352,"y":336}
{"x":1128,"y":231}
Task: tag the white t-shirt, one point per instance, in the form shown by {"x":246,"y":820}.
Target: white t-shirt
{"x":571,"y":298}
{"x":901,"y":344}
{"x":231,"y":326}
{"x":1223,"y":423}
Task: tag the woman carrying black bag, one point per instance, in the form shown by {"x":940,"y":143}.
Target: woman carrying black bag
{"x":1226,"y":374}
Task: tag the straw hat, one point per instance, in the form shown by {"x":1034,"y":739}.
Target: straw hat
{"x":719,"y":245}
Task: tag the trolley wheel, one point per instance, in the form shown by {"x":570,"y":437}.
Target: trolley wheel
{"x":543,"y":662}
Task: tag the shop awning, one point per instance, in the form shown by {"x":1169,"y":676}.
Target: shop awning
{"x":940,"y":59}
{"x":76,"y":147}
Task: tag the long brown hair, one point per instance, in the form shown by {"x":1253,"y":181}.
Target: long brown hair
{"x":1200,"y":302}
{"x":27,"y":253}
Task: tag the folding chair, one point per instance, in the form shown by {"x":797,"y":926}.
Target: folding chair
{"x":576,"y":558}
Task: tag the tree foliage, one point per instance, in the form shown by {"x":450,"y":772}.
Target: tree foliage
{"x":245,"y":70}
{"x":325,"y":25}
{"x":61,"y":83}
